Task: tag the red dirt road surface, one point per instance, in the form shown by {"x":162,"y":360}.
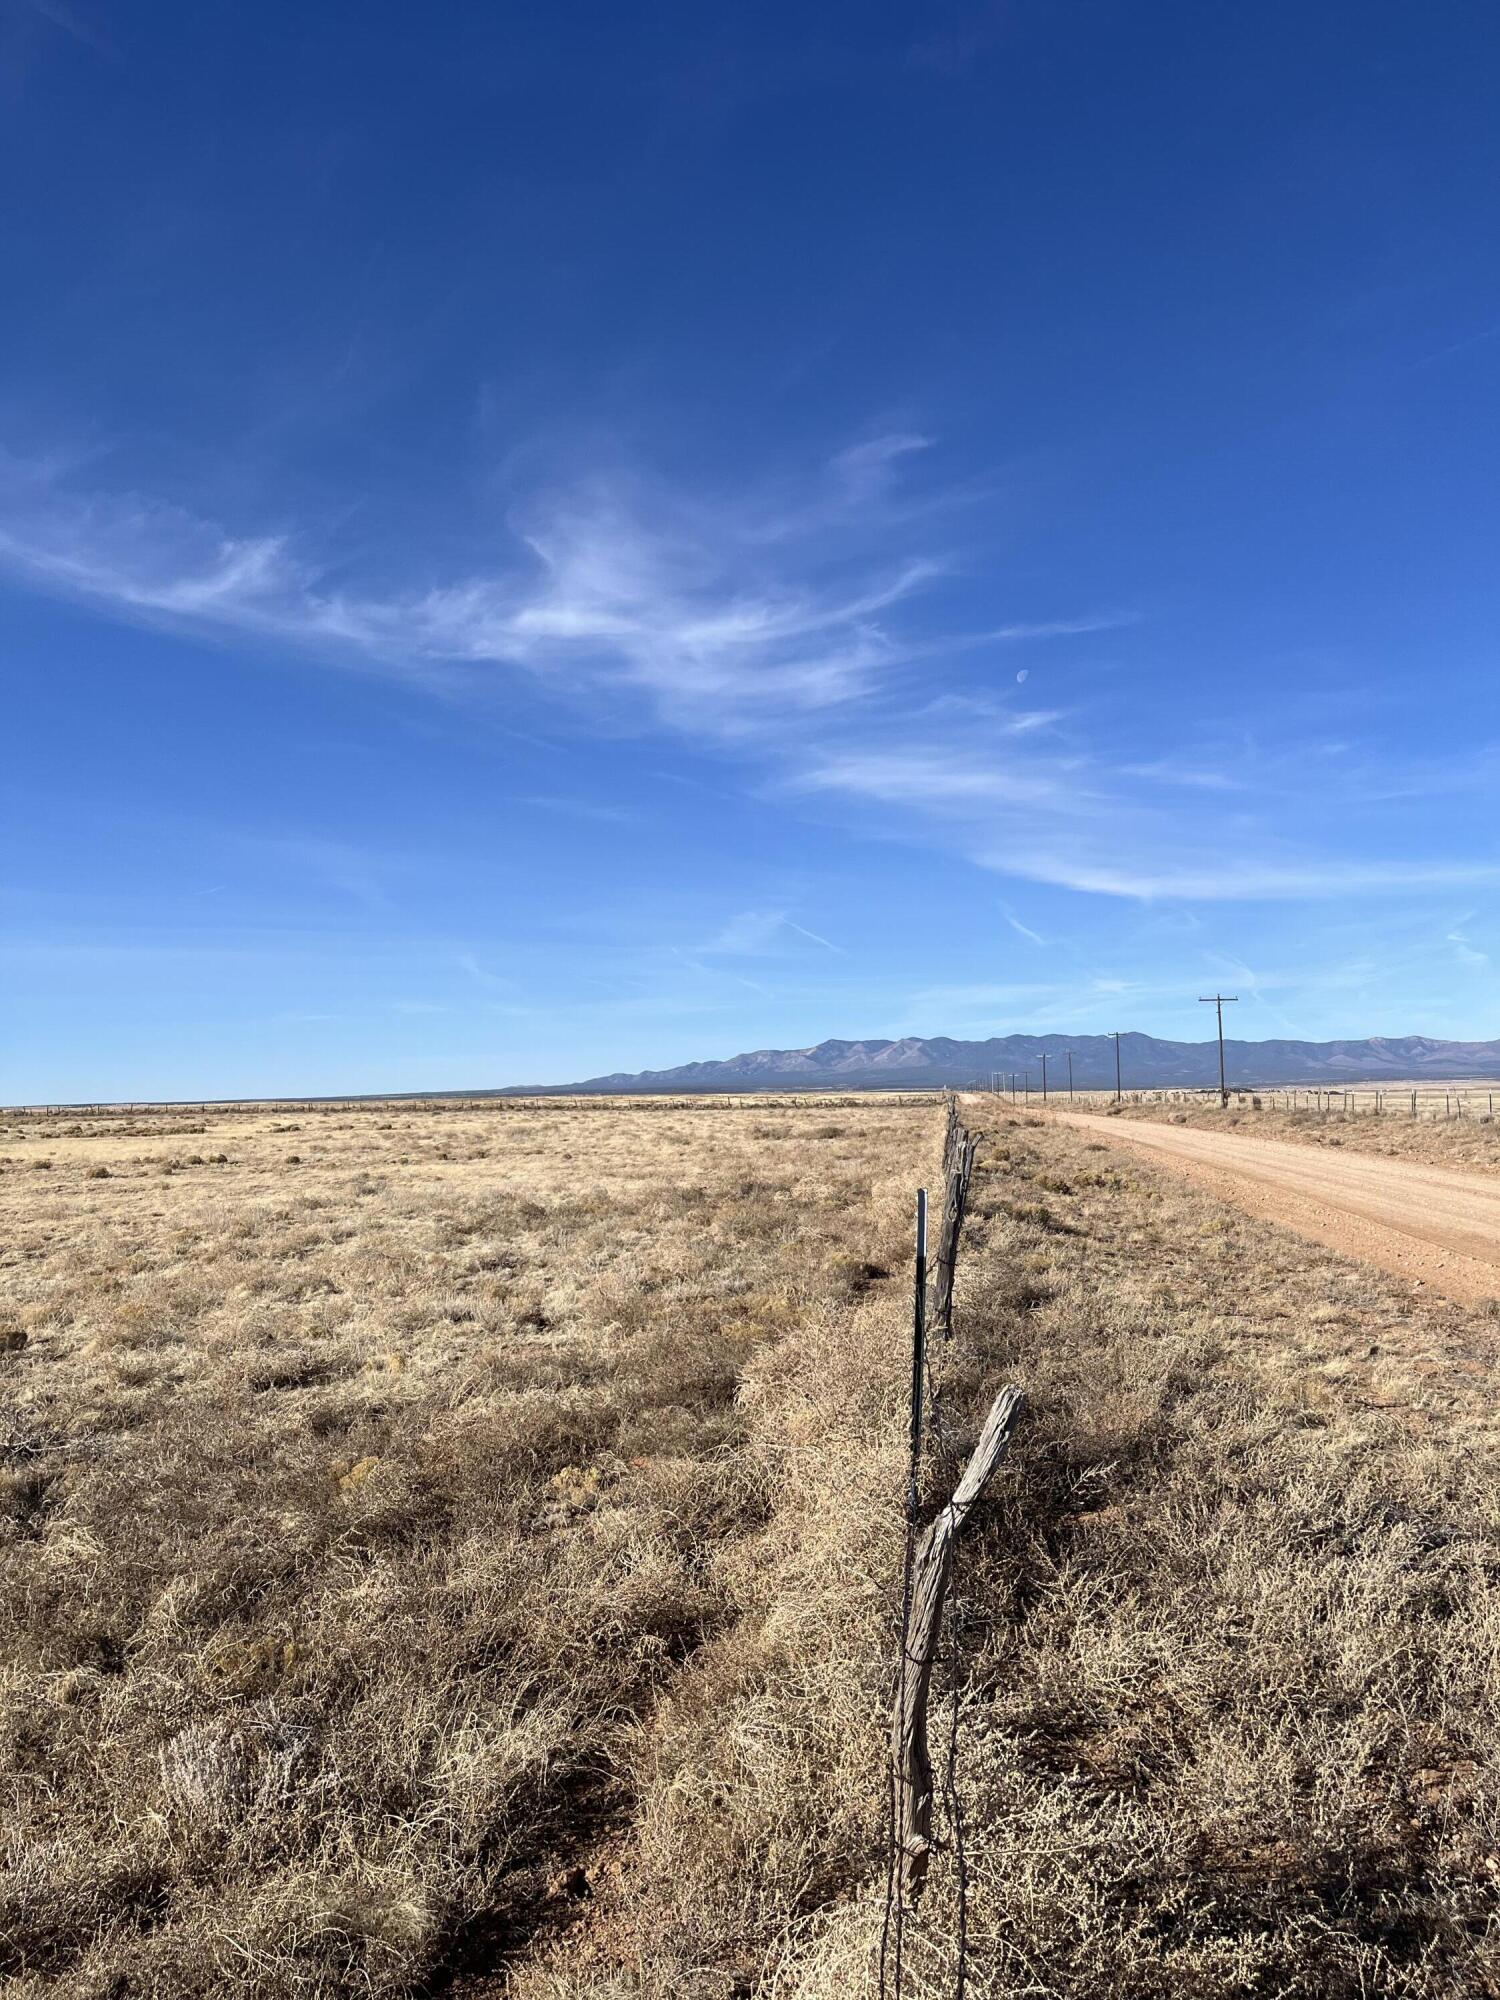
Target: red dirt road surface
{"x":1431,"y":1224}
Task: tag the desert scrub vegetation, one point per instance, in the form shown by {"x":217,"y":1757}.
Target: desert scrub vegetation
{"x":468,"y":1561}
{"x":1228,"y":1705}
{"x":374,"y":1480}
{"x":1471,"y":1143}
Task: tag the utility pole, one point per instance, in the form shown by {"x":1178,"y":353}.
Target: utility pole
{"x":1044,"y":1076}
{"x":1218,"y":1001}
{"x":1115,"y":1034}
{"x":1070,"y":1076}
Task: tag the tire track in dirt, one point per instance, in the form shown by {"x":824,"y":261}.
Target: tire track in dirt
{"x":1434,"y":1225}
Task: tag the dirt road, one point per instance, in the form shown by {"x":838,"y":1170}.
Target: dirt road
{"x":1430,"y":1224}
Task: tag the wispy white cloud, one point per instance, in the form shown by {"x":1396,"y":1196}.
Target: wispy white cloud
{"x":869,"y":467}
{"x":694,"y":962}
{"x":816,"y":937}
{"x":72,"y":23}
{"x":803,"y":630}
{"x":1164,"y":771}
{"x":1482,"y":338}
{"x":964,"y":999}
{"x":1062,"y":628}
{"x":496,"y":982}
{"x":596,"y":584}
{"x":999,"y":718}
{"x":1249,"y":882}
{"x":1466,"y":951}
{"x":1066,"y":816}
{"x":750,"y":931}
{"x":1026,"y":721}
{"x":351,"y":871}
{"x":933,"y":777}
{"x":137,"y":555}
{"x":1023,"y":1007}
{"x":755,"y":931}
{"x":584,"y":809}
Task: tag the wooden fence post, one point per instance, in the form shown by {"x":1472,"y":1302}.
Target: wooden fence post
{"x":952,"y":1134}
{"x":911,"y":1760}
{"x":958,"y":1171}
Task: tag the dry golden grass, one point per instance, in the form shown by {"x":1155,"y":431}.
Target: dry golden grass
{"x":466,"y":1559}
{"x":1233,"y":1728}
{"x":368,"y":1475}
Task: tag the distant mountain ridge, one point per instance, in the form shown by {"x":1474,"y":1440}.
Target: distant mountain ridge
{"x":1145,"y":1063}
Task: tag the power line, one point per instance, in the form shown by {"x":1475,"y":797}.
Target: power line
{"x":1218,"y":1001}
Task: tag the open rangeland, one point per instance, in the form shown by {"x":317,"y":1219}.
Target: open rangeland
{"x":457,"y":1548}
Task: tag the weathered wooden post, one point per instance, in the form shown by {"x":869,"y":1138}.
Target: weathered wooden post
{"x":911,"y":1760}
{"x":958,"y":1173}
{"x":952,"y":1132}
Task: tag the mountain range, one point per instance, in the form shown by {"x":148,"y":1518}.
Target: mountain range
{"x":1145,"y":1062}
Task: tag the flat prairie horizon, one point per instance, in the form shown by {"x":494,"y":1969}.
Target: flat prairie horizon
{"x":1431,"y":1092}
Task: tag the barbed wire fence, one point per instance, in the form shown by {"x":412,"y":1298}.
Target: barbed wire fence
{"x":927,"y":1572}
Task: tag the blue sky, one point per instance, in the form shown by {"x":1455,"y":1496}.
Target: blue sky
{"x":543,"y":540}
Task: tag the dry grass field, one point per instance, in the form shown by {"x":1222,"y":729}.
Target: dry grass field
{"x":1236,"y":1730}
{"x":457,"y":1549}
{"x":370,"y":1474}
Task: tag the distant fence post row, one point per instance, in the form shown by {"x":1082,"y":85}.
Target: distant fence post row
{"x":1369,"y":1101}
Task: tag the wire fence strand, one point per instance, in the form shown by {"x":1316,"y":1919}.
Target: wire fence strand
{"x":931,"y":1440}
